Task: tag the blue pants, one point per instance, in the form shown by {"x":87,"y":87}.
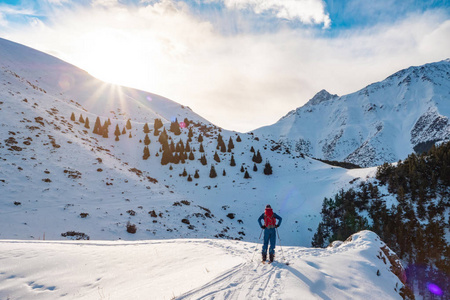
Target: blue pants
{"x":269,"y":236}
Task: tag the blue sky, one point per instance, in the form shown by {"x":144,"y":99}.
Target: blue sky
{"x":240,"y":63}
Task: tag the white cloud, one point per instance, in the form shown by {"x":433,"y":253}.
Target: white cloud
{"x":307,"y":11}
{"x":236,"y":81}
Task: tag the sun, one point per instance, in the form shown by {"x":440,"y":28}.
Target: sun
{"x":118,"y":58}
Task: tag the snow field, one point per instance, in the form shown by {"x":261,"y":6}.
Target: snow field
{"x":193,"y":269}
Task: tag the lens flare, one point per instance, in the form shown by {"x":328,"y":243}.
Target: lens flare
{"x":173,"y":119}
{"x":182,"y":125}
{"x":434,"y":289}
{"x":149,"y":98}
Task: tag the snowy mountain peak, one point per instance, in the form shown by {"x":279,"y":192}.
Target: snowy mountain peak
{"x":383,"y":122}
{"x":320,"y":97}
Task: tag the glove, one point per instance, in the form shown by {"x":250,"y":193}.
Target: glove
{"x":263,"y":227}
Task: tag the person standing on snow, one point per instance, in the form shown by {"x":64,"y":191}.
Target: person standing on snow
{"x":269,"y":231}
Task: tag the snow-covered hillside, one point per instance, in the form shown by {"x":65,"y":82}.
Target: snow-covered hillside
{"x":58,"y":177}
{"x":361,"y":268}
{"x":383,"y":122}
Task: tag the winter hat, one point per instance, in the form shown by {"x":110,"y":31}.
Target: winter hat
{"x":268,"y":206}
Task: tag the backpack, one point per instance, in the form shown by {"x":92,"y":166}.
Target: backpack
{"x":269,"y":219}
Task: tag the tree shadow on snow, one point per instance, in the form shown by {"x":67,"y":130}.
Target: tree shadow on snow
{"x":315,"y":287}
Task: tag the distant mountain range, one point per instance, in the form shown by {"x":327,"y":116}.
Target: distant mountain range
{"x":384,"y":122}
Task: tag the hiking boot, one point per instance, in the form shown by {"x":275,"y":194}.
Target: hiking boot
{"x":264,"y":257}
{"x":271,"y":257}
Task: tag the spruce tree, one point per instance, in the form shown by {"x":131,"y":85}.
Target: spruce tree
{"x":246,"y":175}
{"x":187,"y":148}
{"x":189,"y":178}
{"x":72,"y":117}
{"x":81,"y":120}
{"x":267,"y":168}
{"x":158,"y":124}
{"x":216,"y":157}
{"x":196,"y":175}
{"x":105,"y":130}
{"x":201,"y":148}
{"x":184,"y":174}
{"x":230,"y":144}
{"x":109,"y":121}
{"x":146,"y":129}
{"x":175,"y":127}
{"x":117,"y":131}
{"x":252,"y":149}
{"x":257,"y":157}
{"x":124,"y":131}
{"x":147,"y":140}
{"x":224,"y":173}
{"x":190,"y":133}
{"x":238,"y":139}
{"x":86,"y":123}
{"x":128,"y":126}
{"x":191,"y":156}
{"x":200,"y":138}
{"x":212,"y":172}
{"x":242,"y":169}
{"x":97,"y":126}
{"x":255,"y":168}
{"x":203,"y":160}
{"x":130,"y":136}
{"x":146,"y":153}
{"x":232,"y":162}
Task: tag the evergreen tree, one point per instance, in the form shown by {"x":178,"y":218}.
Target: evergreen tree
{"x":203,"y":160}
{"x":187,"y":148}
{"x":130,"y":136}
{"x":81,"y":120}
{"x":201,"y":148}
{"x":267,"y":168}
{"x":257,"y":157}
{"x":128,"y":125}
{"x":230,"y":144}
{"x":238,"y":139}
{"x":216,"y":157}
{"x":147,"y":140}
{"x":86,"y":123}
{"x":189,"y":178}
{"x":158,"y":124}
{"x":212,"y":172}
{"x":186,"y":122}
{"x":190,"y":133}
{"x":191,"y":156}
{"x":242,"y":169}
{"x":224,"y":173}
{"x":146,"y":129}
{"x":117,"y":131}
{"x":109,"y":121}
{"x":175,"y":127}
{"x":200,"y":138}
{"x":255,"y":168}
{"x":246,"y":175}
{"x":124,"y":131}
{"x":146,"y":153}
{"x":163,"y":137}
{"x":184,"y":174}
{"x":97,"y":126}
{"x":72,"y":117}
{"x":232,"y":162}
{"x":166,"y":156}
{"x":196,"y":175}
{"x":252,"y":149}
{"x":105,"y":130}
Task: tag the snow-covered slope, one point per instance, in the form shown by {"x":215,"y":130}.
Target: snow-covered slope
{"x":383,"y":122}
{"x":361,"y":268}
{"x":58,"y":177}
